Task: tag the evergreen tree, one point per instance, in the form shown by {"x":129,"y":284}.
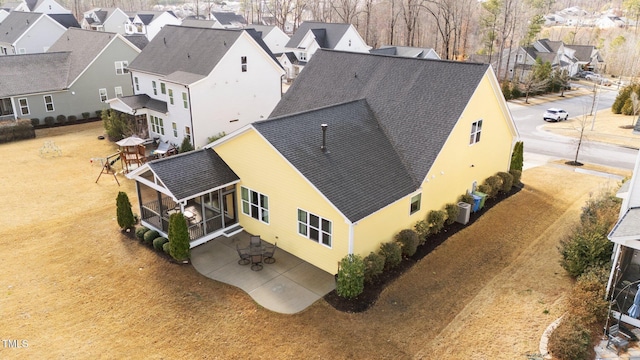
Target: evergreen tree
{"x":517,"y":157}
{"x":178,"y":237}
{"x":124,"y":213}
{"x":186,"y":145}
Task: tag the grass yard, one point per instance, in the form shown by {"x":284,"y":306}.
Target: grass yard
{"x":73,"y":286}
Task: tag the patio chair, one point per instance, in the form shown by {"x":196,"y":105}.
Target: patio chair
{"x":244,"y":256}
{"x":256,"y":262}
{"x":616,"y":340}
{"x":268,"y":254}
{"x":254,"y":241}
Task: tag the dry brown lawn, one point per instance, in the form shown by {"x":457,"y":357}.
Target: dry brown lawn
{"x":74,"y":287}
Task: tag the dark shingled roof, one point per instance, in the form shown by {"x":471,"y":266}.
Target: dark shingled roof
{"x":417,"y":102}
{"x":193,"y":172}
{"x":359,"y":173}
{"x":139,"y":40}
{"x":143,"y":101}
{"x":582,"y":52}
{"x":66,"y":20}
{"x":332,"y":34}
{"x":146,"y":18}
{"x":228,"y":18}
{"x":186,"y":49}
{"x":15,"y":24}
{"x":32,"y":4}
{"x":32,"y":73}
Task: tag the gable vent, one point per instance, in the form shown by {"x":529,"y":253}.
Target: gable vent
{"x":324,"y":137}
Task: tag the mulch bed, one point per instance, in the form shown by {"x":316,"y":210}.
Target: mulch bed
{"x":373,"y":289}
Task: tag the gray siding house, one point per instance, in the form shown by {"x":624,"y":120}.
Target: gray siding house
{"x":81,"y":70}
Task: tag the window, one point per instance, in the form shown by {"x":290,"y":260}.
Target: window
{"x":243,"y":62}
{"x":163,"y":88}
{"x":303,"y":56}
{"x":255,"y":204}
{"x":48,"y":103}
{"x":155,"y":90}
{"x":314,"y":227}
{"x":3,"y":50}
{"x":519,"y":58}
{"x":185,"y":102}
{"x":415,"y":203}
{"x":118,"y":91}
{"x":187,"y":132}
{"x":349,"y":42}
{"x":122,"y":67}
{"x":24,"y":106}
{"x":174,"y":126}
{"x":171,"y":96}
{"x":135,"y":80}
{"x":157,"y":126}
{"x":476,"y":128}
{"x":103,"y":94}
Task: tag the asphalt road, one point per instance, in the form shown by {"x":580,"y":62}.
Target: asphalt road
{"x":529,"y":122}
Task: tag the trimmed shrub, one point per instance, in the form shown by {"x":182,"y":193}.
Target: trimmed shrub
{"x":466,"y":198}
{"x":99,"y":114}
{"x":49,"y":120}
{"x":436,"y":219}
{"x":72,"y":119}
{"x":123,"y":211}
{"x":422,"y":229}
{"x":588,"y":296}
{"x":392,"y":253}
{"x":373,"y":266}
{"x":178,"y":237}
{"x":159,"y":242}
{"x":140,"y":232}
{"x":507,"y":181}
{"x":35,"y":122}
{"x":485,"y":188}
{"x":185,"y":146}
{"x":452,"y":211}
{"x":166,"y":247}
{"x":350,"y":277}
{"x":149,"y":236}
{"x":61,"y":119}
{"x":517,"y":175}
{"x":586,"y":247}
{"x":570,"y":341}
{"x":408,"y":240}
{"x":86,"y":115}
{"x":495,"y":183}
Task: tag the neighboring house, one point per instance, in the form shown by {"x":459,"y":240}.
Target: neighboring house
{"x":139,"y":40}
{"x":571,"y":58}
{"x":105,"y":19}
{"x":271,"y":21}
{"x":149,"y":23}
{"x":196,"y":83}
{"x":42,"y":6}
{"x":3,"y":14}
{"x":228,"y":20}
{"x":66,"y":20}
{"x":406,"y":51}
{"x":625,"y":272}
{"x":273,"y":36}
{"x":201,"y":23}
{"x":610,"y":22}
{"x":290,"y":64}
{"x":361,"y":147}
{"x":28,"y":33}
{"x":80,"y":71}
{"x":311,"y":36}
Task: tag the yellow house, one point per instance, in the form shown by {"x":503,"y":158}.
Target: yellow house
{"x":359,"y":148}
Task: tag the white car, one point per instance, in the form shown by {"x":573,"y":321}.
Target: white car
{"x":554,"y":114}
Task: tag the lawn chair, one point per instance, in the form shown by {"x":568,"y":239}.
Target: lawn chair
{"x":268,"y":254}
{"x":616,"y":340}
{"x":254,"y":241}
{"x":245,"y":258}
{"x":256,"y":262}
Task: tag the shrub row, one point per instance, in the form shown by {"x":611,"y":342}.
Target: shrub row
{"x":152,"y":238}
{"x":61,"y":119}
{"x":11,"y":130}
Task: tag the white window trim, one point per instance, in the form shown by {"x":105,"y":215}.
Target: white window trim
{"x":174,"y":127}
{"x":26,"y":101}
{"x":103,"y":92}
{"x":122,"y":67}
{"x":261,"y":208}
{"x":419,"y":195}
{"x":170,"y":96}
{"x":477,"y":134}
{"x":185,"y":100}
{"x":308,"y":226}
{"x":137,"y":82}
{"x":154,"y":86}
{"x":46,"y":103}
{"x":118,"y":91}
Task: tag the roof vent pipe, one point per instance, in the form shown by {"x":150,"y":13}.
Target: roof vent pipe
{"x":324,"y":137}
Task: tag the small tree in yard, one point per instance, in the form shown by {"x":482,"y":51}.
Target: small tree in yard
{"x":178,"y":237}
{"x":185,"y":146}
{"x":123,"y":209}
{"x":350,"y":277}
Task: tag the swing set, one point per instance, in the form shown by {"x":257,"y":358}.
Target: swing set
{"x":107,"y":168}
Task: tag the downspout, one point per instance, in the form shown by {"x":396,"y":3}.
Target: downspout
{"x":614,"y":268}
{"x":351,"y":225}
{"x":190,"y":116}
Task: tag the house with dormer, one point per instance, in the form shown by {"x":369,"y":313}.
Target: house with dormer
{"x":76,"y":76}
{"x":105,"y":19}
{"x":197,"y":83}
{"x":28,"y":33}
{"x":42,"y":6}
{"x":149,"y":23}
{"x":361,"y":147}
{"x":311,"y":36}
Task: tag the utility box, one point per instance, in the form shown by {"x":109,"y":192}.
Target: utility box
{"x":463,"y":214}
{"x":483,"y":197}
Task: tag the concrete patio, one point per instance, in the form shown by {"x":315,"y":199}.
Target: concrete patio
{"x":287,"y":286}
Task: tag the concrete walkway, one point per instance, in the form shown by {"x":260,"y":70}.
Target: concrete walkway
{"x":287,"y":286}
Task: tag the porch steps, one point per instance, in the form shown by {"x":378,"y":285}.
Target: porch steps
{"x":229,"y":232}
